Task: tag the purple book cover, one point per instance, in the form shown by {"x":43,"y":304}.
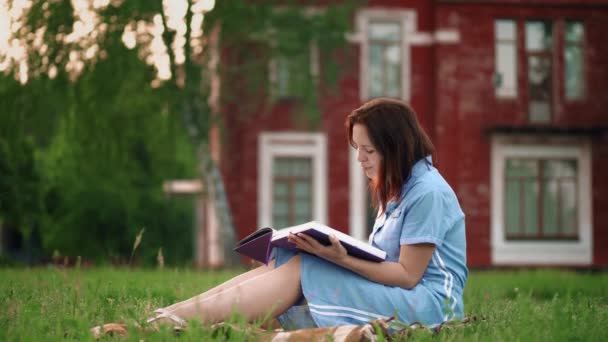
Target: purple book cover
{"x":256,"y":245}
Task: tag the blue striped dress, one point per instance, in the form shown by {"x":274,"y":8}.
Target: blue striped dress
{"x":427,"y":212}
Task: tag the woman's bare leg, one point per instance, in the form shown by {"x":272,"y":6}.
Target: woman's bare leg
{"x":267,"y":294}
{"x":225,"y":285}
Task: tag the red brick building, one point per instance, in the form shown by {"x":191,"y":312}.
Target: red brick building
{"x":514,"y":95}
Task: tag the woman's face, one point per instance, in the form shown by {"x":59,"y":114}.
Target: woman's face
{"x":367,"y":155}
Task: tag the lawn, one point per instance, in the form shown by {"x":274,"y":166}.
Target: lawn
{"x":57,"y":304}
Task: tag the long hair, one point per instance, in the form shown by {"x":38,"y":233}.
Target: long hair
{"x":397,"y":135}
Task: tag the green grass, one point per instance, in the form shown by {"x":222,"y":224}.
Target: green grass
{"x":55,"y":304}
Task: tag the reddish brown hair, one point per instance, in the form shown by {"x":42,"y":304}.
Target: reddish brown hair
{"x":394,"y":131}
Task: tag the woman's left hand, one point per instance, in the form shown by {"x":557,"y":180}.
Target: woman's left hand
{"x":334,"y":252}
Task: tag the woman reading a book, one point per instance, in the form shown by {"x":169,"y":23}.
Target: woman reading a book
{"x":419,"y":224}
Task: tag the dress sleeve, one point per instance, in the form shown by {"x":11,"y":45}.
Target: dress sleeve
{"x":424,"y":219}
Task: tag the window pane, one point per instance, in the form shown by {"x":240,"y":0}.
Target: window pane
{"x":283,"y":76}
{"x":301,"y":219}
{"x":393,"y":71}
{"x":568,"y":208}
{"x":539,"y":40}
{"x":512,"y":207}
{"x":521,"y":168}
{"x":292,"y":190}
{"x":280,"y":208}
{"x":550,"y":208}
{"x":540,"y":87}
{"x":389,"y":31}
{"x":301,"y":168}
{"x":574,"y":32}
{"x":384,"y":60}
{"x":302,"y":190}
{"x":375,"y":69}
{"x":280,"y":167}
{"x":574,"y":72}
{"x":541,"y":205}
{"x":530,"y":207}
{"x":559,"y":168}
{"x":574,"y":61}
{"x":505,"y":30}
{"x":280,"y":189}
{"x":280,"y":222}
{"x":302,"y":208}
{"x":538,"y":36}
{"x":506,"y":64}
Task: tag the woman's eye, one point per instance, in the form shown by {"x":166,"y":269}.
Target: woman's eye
{"x":369,"y":151}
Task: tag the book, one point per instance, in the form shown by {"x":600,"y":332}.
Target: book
{"x":259,"y":244}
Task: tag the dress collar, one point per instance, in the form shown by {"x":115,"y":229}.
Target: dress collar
{"x":420,"y":168}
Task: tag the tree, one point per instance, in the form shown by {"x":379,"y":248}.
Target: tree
{"x":101,"y":86}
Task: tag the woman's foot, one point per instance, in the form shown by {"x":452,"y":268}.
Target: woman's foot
{"x":166,"y":317}
{"x":163,"y":317}
{"x":109,"y":329}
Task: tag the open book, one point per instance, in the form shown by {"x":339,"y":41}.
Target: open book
{"x":259,"y":244}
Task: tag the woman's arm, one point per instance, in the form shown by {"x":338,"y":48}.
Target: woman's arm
{"x":413,"y":260}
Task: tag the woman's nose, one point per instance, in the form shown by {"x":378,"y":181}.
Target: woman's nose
{"x":360,"y":156}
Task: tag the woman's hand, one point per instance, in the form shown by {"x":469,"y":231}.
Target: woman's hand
{"x":334,"y":252}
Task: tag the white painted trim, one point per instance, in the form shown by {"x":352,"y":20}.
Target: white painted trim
{"x":447,"y":36}
{"x":291,"y":144}
{"x":421,"y":39}
{"x":183,"y":186}
{"x":407,"y":18}
{"x":533,"y":252}
{"x":357,"y":206}
{"x":356,"y":37}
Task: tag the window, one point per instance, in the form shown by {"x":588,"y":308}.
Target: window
{"x":539,"y":45}
{"x":292,"y":191}
{"x":292,"y":179}
{"x":541,"y":201}
{"x":542,"y":62}
{"x":506,"y":58}
{"x":573,"y":59}
{"x":384,"y":60}
{"x":293,"y":70}
{"x":287,"y":76}
{"x":385,"y":37}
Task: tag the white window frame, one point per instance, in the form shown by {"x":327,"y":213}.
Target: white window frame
{"x":357,"y":180}
{"x":407,"y":19}
{"x":531,"y":252}
{"x":291,"y":144}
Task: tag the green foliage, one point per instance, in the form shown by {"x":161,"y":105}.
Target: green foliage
{"x":106,"y":164}
{"x":288,"y":31}
{"x":105,"y":145}
{"x":20,"y":193}
{"x":83,"y":156}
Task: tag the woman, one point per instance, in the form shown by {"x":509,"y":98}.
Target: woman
{"x":419,"y":224}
